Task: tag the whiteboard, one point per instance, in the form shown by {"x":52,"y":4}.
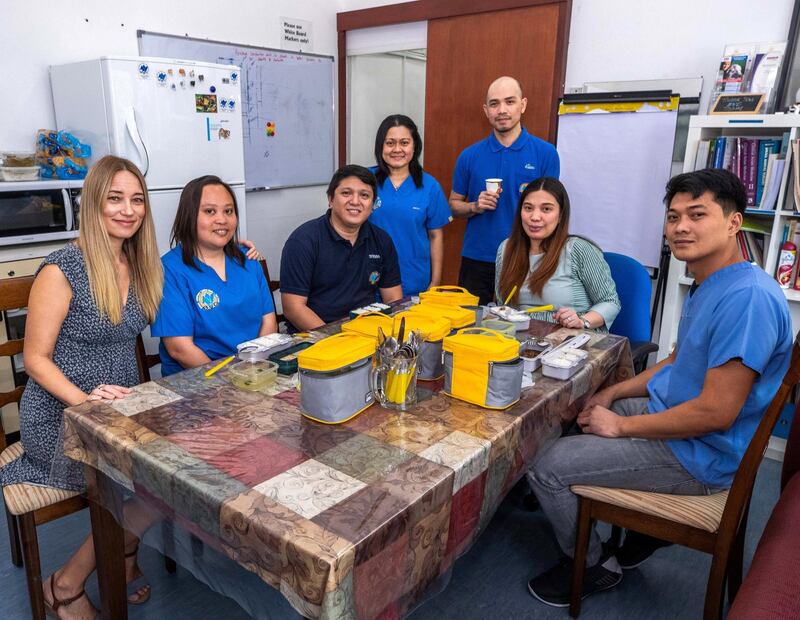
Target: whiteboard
{"x":287,"y":107}
{"x":615,"y":166}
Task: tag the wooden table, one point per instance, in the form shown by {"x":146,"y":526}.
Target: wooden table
{"x":355,"y":520}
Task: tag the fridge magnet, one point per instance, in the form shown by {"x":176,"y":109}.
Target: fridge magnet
{"x":234,"y":77}
{"x":205,"y":104}
{"x":231,"y":105}
{"x":182,"y":72}
{"x":270,"y":129}
{"x":144,"y":70}
{"x":161,"y":76}
{"x":223,"y":104}
{"x":217,"y":132}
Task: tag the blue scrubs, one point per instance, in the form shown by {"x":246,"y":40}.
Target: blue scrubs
{"x":528,"y":158}
{"x":217,"y":314}
{"x":407,"y":214}
{"x":739,"y":312}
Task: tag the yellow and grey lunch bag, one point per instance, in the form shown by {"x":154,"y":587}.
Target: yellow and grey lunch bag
{"x":335,"y":378}
{"x":483,"y":367}
{"x":449,"y":295}
{"x":433,"y":330}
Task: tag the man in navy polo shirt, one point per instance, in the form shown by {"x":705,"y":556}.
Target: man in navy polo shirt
{"x":509,"y":153}
{"x":339,"y":261}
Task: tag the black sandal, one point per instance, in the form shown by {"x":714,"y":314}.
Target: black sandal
{"x":51,"y":609}
{"x":139,"y":583}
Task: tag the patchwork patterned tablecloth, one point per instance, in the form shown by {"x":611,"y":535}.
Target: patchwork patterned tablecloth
{"x":349,"y":521}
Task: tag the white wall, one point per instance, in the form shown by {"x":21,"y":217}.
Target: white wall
{"x":635,"y":40}
{"x":609,"y":40}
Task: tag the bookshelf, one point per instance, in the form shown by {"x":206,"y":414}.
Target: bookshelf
{"x":752,"y":126}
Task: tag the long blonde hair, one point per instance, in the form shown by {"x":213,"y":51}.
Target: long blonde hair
{"x":141,"y":251}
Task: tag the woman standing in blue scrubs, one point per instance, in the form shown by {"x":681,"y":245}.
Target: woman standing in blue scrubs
{"x":411,"y":205}
{"x":214,"y":296}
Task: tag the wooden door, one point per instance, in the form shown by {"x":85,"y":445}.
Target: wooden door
{"x":465,"y":54}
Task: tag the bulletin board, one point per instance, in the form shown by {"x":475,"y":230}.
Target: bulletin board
{"x":287,"y":107}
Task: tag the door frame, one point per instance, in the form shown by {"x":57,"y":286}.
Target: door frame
{"x":425,"y":10}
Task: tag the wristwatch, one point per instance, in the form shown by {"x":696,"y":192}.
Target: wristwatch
{"x":586,"y":324}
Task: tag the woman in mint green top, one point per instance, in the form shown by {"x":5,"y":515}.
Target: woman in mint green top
{"x":548,"y":266}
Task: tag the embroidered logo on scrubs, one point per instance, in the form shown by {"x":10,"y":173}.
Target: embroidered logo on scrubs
{"x":207,"y":299}
{"x":530,"y":167}
{"x":374,"y":277}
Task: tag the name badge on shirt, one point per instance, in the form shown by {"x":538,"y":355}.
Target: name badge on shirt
{"x":207,"y":299}
{"x":374,"y":277}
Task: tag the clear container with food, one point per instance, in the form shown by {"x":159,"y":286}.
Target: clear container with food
{"x":563,"y":363}
{"x":521,"y":320}
{"x":531,"y":352}
{"x":255,"y":375}
{"x":19,"y":173}
{"x":507,"y":328}
{"x":17,"y":159}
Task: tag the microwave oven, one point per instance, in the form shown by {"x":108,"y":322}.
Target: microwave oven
{"x":39,"y":211}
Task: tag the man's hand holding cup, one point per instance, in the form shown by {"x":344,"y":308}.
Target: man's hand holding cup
{"x":487,"y":200}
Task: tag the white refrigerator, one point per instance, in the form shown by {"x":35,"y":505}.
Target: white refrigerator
{"x":175,"y":119}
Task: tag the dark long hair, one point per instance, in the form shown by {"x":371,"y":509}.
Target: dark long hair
{"x":414,"y":167}
{"x":516,"y":258}
{"x":184,"y":229}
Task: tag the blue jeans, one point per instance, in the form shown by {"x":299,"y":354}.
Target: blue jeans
{"x":640,"y":464}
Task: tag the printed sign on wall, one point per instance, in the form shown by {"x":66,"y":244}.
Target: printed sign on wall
{"x":296,"y":34}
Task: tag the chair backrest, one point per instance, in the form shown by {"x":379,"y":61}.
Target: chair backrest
{"x":743,"y":481}
{"x":14,"y":293}
{"x":145,"y":361}
{"x":791,"y":459}
{"x":274,"y":285}
{"x":634,"y":290}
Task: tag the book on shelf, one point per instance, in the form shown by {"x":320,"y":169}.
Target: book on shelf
{"x":758,"y":162}
{"x":796,"y":174}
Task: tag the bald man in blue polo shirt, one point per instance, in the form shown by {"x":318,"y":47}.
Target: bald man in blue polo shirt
{"x":509,"y":153}
{"x":339,"y":261}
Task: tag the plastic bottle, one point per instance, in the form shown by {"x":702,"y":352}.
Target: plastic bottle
{"x":785,"y":264}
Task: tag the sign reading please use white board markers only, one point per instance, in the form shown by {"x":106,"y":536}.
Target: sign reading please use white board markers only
{"x":296,"y":34}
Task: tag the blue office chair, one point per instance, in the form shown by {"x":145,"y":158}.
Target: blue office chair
{"x":633,"y":321}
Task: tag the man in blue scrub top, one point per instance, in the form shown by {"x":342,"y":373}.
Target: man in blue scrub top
{"x":339,"y":261}
{"x":683,"y":425}
{"x":509,"y":153}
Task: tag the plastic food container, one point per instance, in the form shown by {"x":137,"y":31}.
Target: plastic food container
{"x":531,"y":352}
{"x":563,"y":363}
{"x":16,"y":159}
{"x":287,"y":359}
{"x":21,"y":173}
{"x":253,"y":376}
{"x":507,"y":328}
{"x":521,"y":320}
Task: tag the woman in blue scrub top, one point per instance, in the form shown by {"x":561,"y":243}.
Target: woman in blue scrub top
{"x":214,"y":296}
{"x":411,"y":205}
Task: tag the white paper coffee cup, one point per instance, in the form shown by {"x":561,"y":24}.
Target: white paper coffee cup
{"x":494,"y":185}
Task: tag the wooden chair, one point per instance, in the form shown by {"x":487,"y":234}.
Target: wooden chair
{"x":28,"y":506}
{"x":714,"y":523}
{"x":274,"y":285}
